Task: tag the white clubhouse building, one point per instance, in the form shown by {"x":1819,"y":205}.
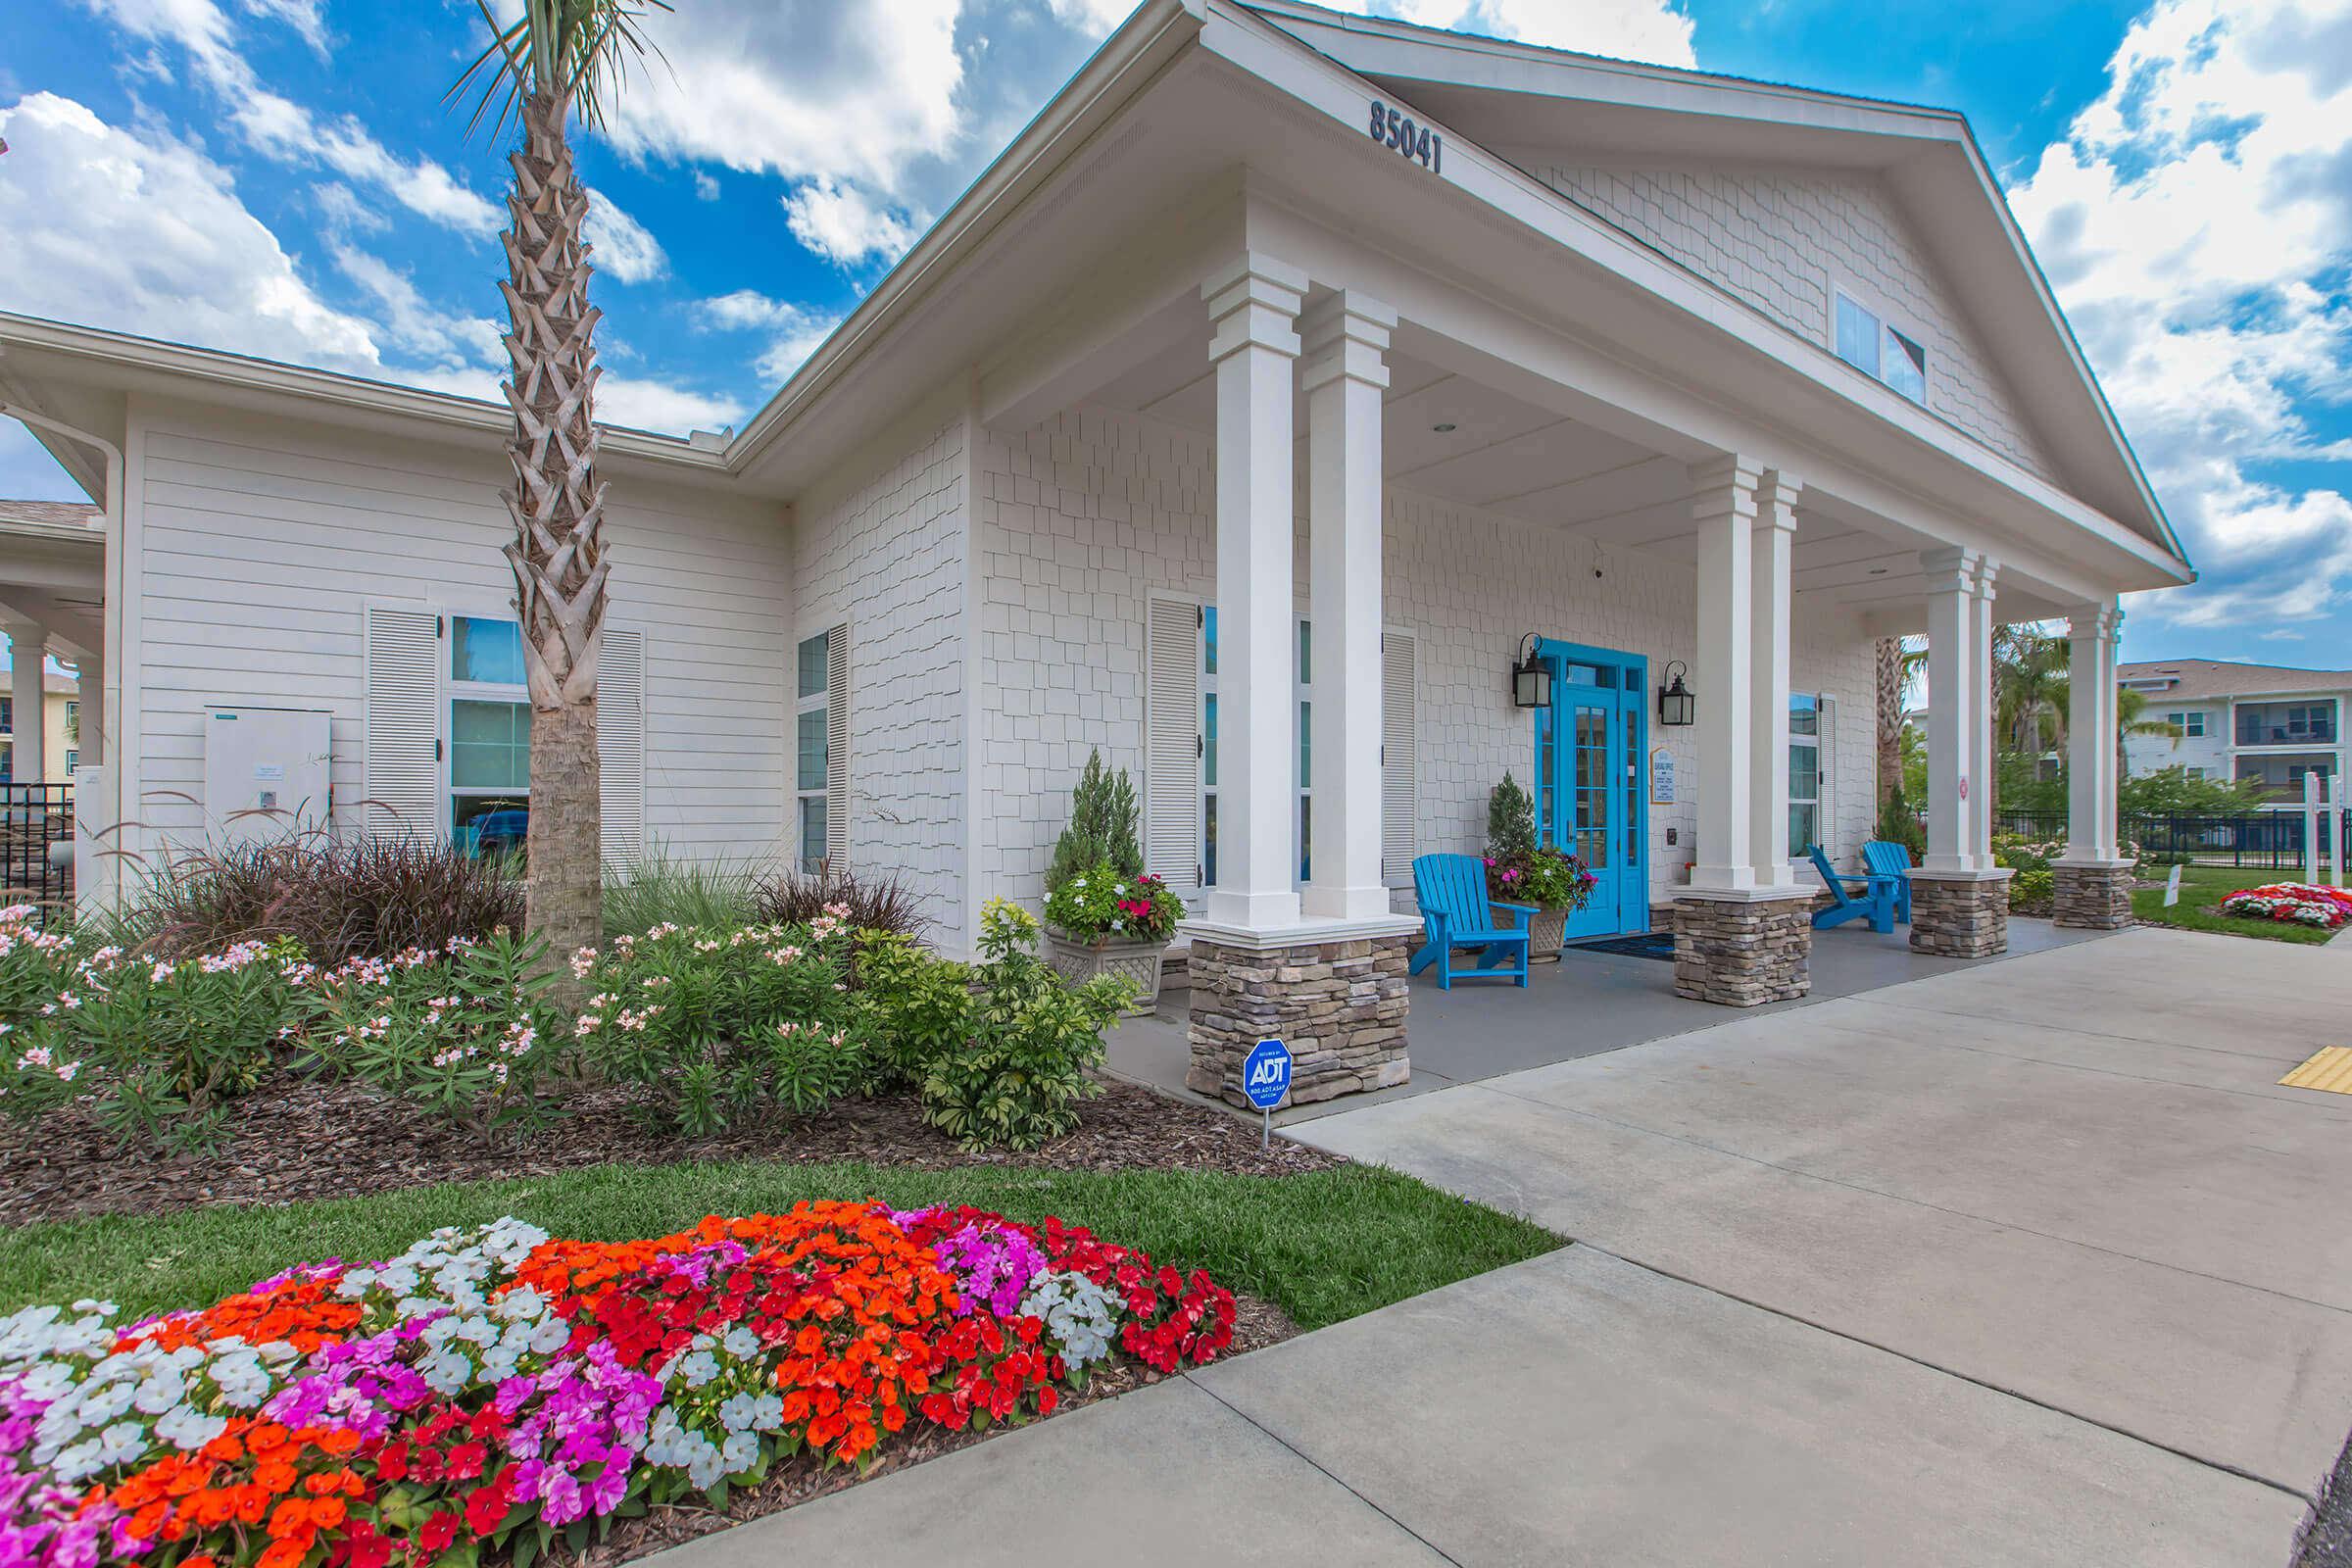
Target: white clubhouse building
{"x":1283,"y":385}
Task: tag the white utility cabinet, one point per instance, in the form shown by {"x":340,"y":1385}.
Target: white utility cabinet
{"x":265,"y":773}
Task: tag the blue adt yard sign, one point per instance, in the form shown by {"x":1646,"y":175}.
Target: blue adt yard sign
{"x":1265,"y":1079}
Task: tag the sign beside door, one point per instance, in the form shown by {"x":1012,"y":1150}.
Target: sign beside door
{"x":1661,"y":777}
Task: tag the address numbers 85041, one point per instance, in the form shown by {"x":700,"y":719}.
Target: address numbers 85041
{"x":1394,"y":129}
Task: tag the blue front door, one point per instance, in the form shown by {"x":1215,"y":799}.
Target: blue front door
{"x":1592,"y":781}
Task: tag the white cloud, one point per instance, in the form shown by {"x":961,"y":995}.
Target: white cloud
{"x":2196,"y":220}
{"x":793,"y":331}
{"x":625,"y":249}
{"x":648,"y":404}
{"x":705,"y":188}
{"x":143,"y":233}
{"x":844,"y":224}
{"x":842,"y":89}
{"x":1095,"y":16}
{"x":280,"y":129}
{"x":411,"y":324}
{"x":1651,"y":31}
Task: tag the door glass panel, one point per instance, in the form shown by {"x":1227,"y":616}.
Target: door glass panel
{"x":1590,"y":772}
{"x":1209,"y":742}
{"x":1632,"y":787}
{"x":1574,"y":674}
{"x":1208,"y":841}
{"x":1548,"y":779}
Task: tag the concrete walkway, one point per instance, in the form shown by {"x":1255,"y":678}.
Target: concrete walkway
{"x":2031,"y":1264}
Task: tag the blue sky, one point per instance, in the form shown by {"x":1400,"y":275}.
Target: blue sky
{"x":281,"y":178}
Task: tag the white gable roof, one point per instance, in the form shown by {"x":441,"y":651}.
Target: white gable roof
{"x":1510,"y":96}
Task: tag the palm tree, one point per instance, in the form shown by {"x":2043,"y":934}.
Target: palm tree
{"x":558,"y":54}
{"x":1892,"y":678}
{"x":2128,"y":706}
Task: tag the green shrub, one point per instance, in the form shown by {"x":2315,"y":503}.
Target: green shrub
{"x":657,"y":890}
{"x":152,"y":1049}
{"x":1898,"y":823}
{"x":710,"y":1025}
{"x":1101,"y":830}
{"x":2032,"y":889}
{"x":920,"y":1007}
{"x":341,"y":899}
{"x":1511,"y":824}
{"x":469,"y":1037}
{"x":1015,"y":1082}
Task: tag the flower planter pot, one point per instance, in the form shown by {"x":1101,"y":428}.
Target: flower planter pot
{"x":1136,"y":962}
{"x":1547,"y":929}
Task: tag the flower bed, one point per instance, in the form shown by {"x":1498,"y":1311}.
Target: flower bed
{"x":2301,"y":903}
{"x":497,"y":1390}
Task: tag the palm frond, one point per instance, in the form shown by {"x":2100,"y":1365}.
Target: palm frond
{"x":575,"y":50}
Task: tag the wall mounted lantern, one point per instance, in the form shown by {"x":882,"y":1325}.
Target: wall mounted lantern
{"x":1531,"y":677}
{"x":1676,"y":703}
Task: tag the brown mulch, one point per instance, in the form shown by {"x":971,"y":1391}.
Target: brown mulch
{"x":294,"y":1139}
{"x":1256,"y":1325}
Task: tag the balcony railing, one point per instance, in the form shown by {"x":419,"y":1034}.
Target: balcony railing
{"x":36,"y":841}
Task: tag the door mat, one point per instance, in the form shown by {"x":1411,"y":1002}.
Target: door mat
{"x":2331,"y":1070}
{"x":1647,"y":945}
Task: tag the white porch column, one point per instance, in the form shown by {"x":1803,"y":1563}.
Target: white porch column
{"x":90,"y":674}
{"x":2090,"y":826}
{"x":1725,"y":507}
{"x":27,"y":649}
{"x":1254,"y":303}
{"x":1347,"y":338}
{"x":1768,"y":683}
{"x":1984,"y":758}
{"x":1955,"y":691}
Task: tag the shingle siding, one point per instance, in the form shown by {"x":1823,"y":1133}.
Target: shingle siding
{"x":1783,"y":239}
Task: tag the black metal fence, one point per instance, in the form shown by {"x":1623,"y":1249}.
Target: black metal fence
{"x":37,"y":844}
{"x":2259,"y":841}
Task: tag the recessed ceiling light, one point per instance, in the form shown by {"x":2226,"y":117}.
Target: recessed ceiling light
{"x":1444,"y":429}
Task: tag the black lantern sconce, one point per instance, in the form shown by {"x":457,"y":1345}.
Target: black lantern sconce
{"x":1676,"y":703}
{"x":1531,"y":677}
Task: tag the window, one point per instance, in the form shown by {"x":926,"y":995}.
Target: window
{"x":811,"y":751}
{"x":1805,"y":731}
{"x":2197,"y":772}
{"x":489,"y":728}
{"x":8,"y":708}
{"x":2191,"y":725}
{"x":1301,"y":682}
{"x":72,"y":760}
{"x":1869,"y":344}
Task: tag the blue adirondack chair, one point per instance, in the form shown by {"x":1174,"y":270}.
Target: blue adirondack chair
{"x":1876,"y":899}
{"x":1455,"y":906}
{"x":1885,"y":858}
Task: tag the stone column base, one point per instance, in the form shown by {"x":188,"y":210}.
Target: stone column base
{"x":1963,"y":916}
{"x":1742,"y":953}
{"x":1338,"y":1005}
{"x":2092,"y":897}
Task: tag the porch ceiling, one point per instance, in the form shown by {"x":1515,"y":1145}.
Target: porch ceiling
{"x":1507,"y":456}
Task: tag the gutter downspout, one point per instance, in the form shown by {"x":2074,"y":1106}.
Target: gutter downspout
{"x":100,"y":888}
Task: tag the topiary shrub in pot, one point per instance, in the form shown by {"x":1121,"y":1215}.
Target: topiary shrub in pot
{"x":1104,"y":916}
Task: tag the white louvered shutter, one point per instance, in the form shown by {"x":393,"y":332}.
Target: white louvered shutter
{"x":1172,"y":743}
{"x":1399,"y":797}
{"x":402,"y":764}
{"x":620,"y":744}
{"x":837,"y":748}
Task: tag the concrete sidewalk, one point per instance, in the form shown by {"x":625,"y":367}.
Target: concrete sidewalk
{"x":2028,"y":1264}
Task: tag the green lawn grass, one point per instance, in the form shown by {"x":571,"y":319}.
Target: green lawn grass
{"x":2202,"y":887}
{"x":1323,"y":1245}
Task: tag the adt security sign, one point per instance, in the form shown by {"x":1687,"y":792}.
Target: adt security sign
{"x":1265,"y":1079}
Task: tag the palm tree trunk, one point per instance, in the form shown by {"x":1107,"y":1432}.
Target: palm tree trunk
{"x":1890,"y":717}
{"x":558,"y":507}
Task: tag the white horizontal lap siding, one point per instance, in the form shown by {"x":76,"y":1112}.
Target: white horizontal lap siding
{"x":265,"y":540}
{"x":880,"y":548}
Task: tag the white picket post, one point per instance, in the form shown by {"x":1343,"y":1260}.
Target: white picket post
{"x":2311,"y":826}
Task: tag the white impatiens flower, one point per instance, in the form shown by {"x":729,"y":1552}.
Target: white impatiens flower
{"x":1079,"y":1315}
{"x":188,"y":1428}
{"x":741,"y":1343}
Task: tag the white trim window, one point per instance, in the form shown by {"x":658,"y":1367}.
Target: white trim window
{"x":488,"y":777}
{"x":1808,"y":787}
{"x":1301,"y":690}
{"x":822,"y":750}
{"x":2191,"y":725}
{"x":1864,"y":339}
